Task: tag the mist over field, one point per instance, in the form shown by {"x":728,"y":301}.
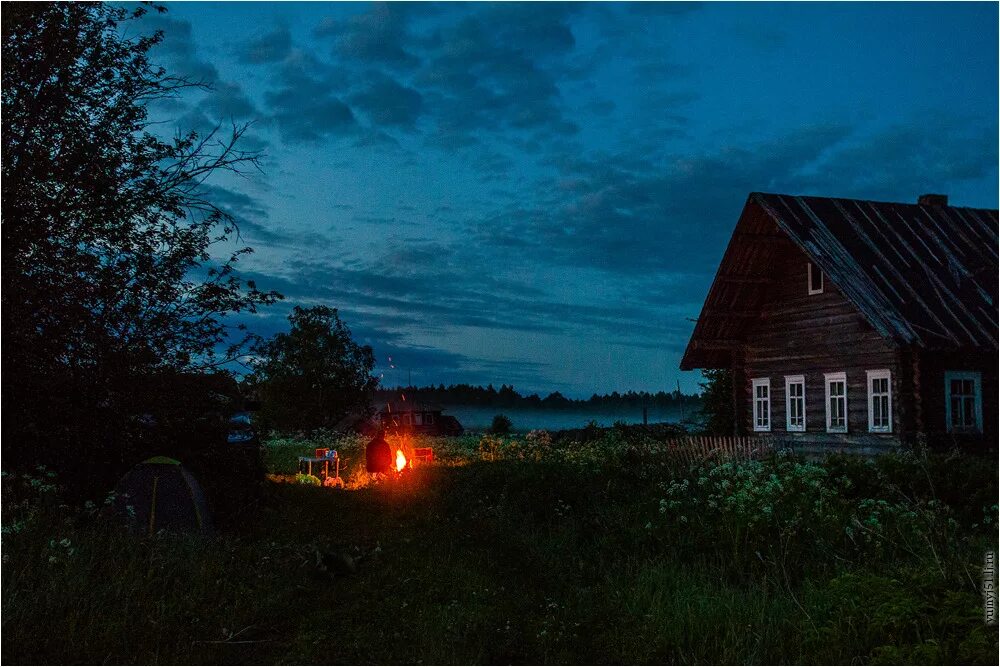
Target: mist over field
{"x":523,"y":420}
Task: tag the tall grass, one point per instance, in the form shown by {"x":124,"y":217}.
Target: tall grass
{"x":552,"y":553}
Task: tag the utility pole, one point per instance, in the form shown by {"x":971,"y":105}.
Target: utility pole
{"x":680,"y":398}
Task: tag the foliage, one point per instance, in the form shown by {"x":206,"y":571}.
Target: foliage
{"x":549,"y":560}
{"x":717,"y":402}
{"x":111,"y":290}
{"x":308,"y":480}
{"x":791,"y":514}
{"x":314,"y":375}
{"x":911,"y":617}
{"x":500,"y":425}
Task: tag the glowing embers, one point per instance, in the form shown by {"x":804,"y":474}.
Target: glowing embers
{"x":381,"y":457}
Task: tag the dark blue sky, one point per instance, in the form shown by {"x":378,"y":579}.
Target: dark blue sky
{"x":539,"y":194}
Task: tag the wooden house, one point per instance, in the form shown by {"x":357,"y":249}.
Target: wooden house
{"x":857,"y":323}
{"x":417,"y":417}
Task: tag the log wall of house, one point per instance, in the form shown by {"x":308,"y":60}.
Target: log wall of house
{"x":932,"y":367}
{"x":802,"y":334}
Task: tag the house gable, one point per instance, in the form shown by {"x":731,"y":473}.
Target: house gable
{"x":809,"y":336}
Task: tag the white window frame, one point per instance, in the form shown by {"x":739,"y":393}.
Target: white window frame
{"x":789,"y":381}
{"x":879,"y":374}
{"x":977,"y":388}
{"x":840,"y":376}
{"x":429,"y":419}
{"x":754,"y":383}
{"x":418,"y":419}
{"x":809,"y":279}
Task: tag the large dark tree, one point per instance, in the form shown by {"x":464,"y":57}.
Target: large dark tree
{"x":112,"y":291}
{"x":314,"y":375}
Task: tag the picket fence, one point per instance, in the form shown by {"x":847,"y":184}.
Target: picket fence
{"x":690,"y":449}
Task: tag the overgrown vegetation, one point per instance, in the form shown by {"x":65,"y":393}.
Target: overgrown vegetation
{"x":527,"y":549}
{"x":118,"y":269}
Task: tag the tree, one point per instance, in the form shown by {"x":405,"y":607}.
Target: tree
{"x":314,"y":375}
{"x":501,"y":425}
{"x":109,"y":276}
{"x":717,"y":401}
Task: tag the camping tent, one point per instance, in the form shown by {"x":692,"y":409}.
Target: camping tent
{"x":160,"y":493}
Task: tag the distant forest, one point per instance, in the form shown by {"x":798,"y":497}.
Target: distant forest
{"x":508,"y":397}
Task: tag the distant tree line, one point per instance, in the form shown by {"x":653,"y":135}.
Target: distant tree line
{"x":508,"y":397}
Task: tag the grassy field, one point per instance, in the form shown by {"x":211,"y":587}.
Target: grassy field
{"x":584,"y":552}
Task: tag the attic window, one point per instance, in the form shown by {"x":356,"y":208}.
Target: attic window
{"x":815,"y":279}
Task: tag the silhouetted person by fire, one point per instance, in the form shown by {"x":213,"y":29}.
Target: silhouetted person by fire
{"x":378,"y":454}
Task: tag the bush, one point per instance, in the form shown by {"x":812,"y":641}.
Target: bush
{"x":793,"y":515}
{"x":501,"y":425}
{"x":910,"y":618}
{"x":491,"y":447}
{"x":308,"y":480}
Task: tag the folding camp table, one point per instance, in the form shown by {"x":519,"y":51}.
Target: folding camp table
{"x":319,"y":466}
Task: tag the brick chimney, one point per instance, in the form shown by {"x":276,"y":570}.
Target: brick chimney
{"x":932,"y":200}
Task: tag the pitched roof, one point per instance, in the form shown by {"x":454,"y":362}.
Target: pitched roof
{"x":921,"y":275}
{"x":394,"y":406}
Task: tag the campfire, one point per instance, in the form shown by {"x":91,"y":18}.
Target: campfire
{"x":381,"y":457}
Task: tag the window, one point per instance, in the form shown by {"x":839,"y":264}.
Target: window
{"x":406,"y":418}
{"x":836,"y":402}
{"x":429,"y":418}
{"x":880,"y":401}
{"x":795,"y":403}
{"x":418,"y":419}
{"x":963,"y":401}
{"x":761,"y":404}
{"x":815,"y":279}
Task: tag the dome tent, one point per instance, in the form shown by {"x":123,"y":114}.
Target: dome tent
{"x":160,"y":494}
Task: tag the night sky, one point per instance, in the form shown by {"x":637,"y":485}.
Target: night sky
{"x":540,"y":194}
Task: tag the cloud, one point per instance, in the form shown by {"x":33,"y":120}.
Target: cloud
{"x":204,"y":108}
{"x":438,"y":287}
{"x":902,"y":161}
{"x":376,"y":36}
{"x":642,"y":211}
{"x":253,"y":220}
{"x":385,"y":102}
{"x":272,"y":47}
{"x":488,"y":73}
{"x":305,"y":106}
{"x":632,"y":212}
{"x":178,"y":47}
{"x":228,"y":101}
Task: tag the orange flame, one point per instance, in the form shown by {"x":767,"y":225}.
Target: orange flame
{"x":400,"y":460}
